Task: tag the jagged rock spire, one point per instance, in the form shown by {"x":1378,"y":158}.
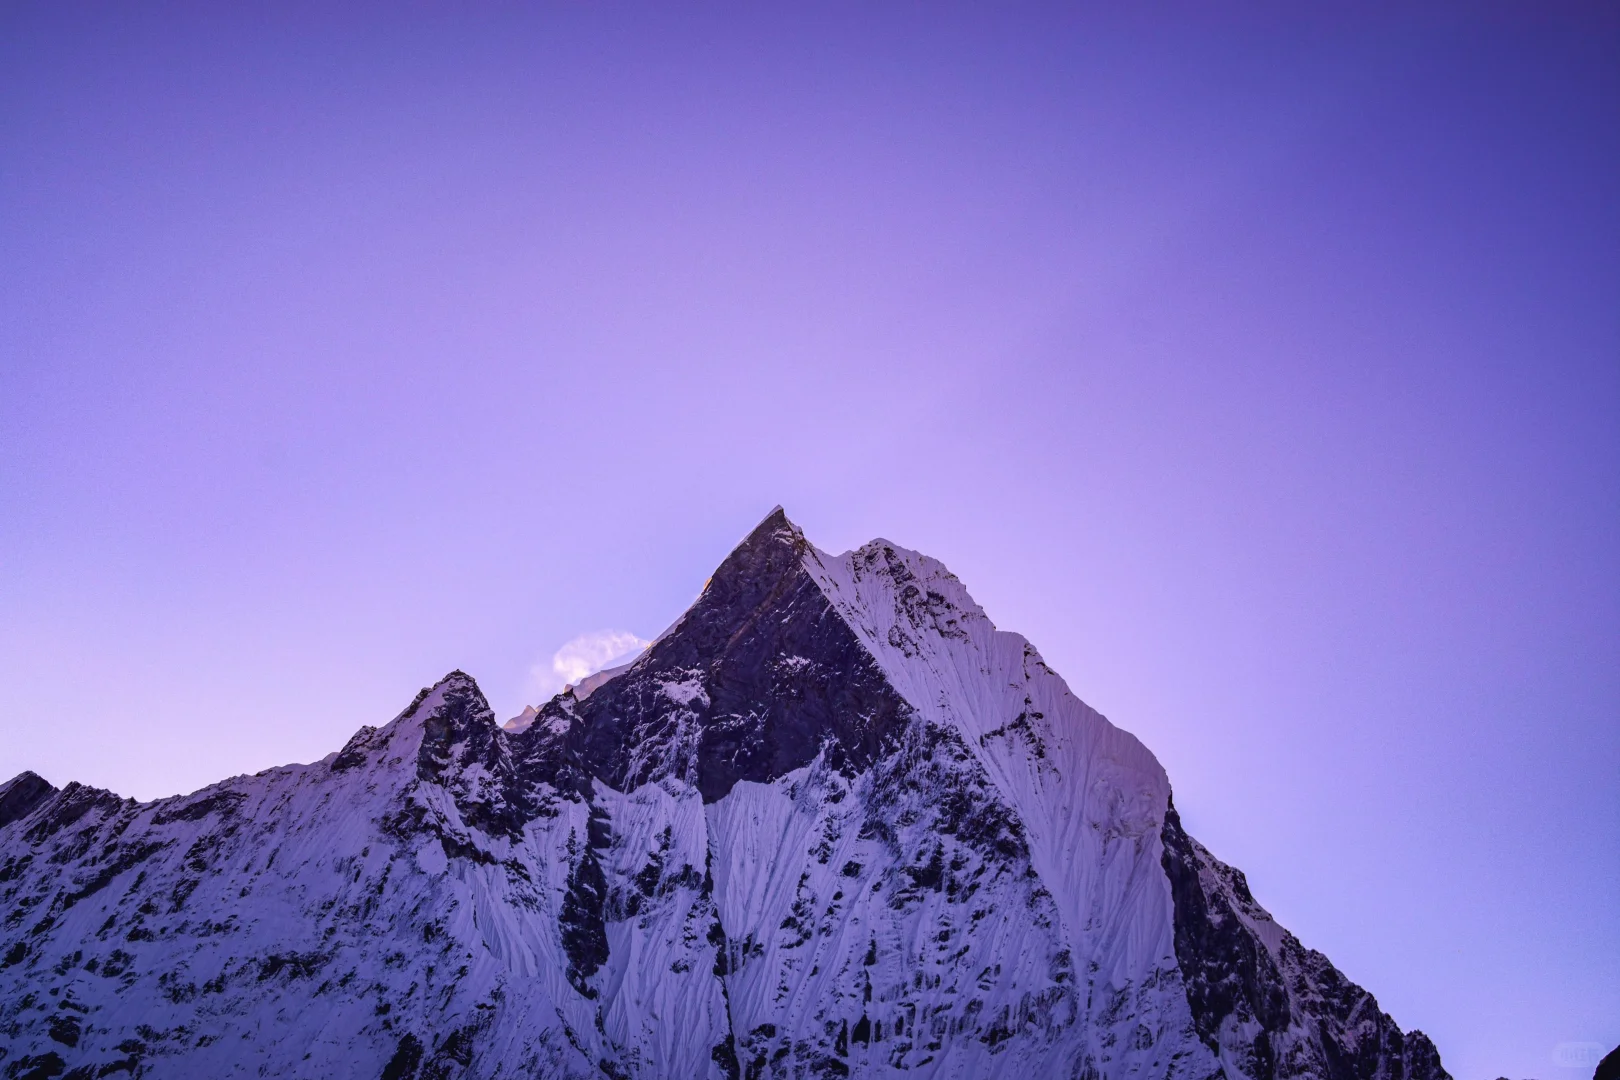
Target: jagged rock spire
{"x":20,"y":794}
{"x":759,"y":677}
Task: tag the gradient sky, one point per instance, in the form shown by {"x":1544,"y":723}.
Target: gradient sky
{"x":1264,"y":371}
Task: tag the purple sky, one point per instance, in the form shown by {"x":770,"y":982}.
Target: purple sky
{"x":1265,"y":373}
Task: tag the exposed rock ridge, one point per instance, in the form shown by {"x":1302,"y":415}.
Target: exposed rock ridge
{"x":759,"y":677}
{"x":313,"y":920}
{"x":1269,"y":1007}
{"x":20,"y":794}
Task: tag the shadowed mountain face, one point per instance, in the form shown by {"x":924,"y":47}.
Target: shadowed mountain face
{"x":20,"y":794}
{"x":832,"y":823}
{"x":759,"y":678}
{"x":1272,"y":1007}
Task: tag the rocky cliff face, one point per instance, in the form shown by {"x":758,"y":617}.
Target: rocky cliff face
{"x":832,"y":823}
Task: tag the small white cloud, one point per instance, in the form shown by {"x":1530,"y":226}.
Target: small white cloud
{"x":582,"y":656}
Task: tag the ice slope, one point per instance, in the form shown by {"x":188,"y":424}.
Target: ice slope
{"x":831,"y":823}
{"x":1090,"y":796}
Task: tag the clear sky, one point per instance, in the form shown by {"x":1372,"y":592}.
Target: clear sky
{"x":1264,"y":371}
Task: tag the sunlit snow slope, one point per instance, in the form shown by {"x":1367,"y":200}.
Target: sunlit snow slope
{"x":832,"y":823}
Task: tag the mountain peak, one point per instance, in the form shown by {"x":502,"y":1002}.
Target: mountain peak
{"x":832,"y":823}
{"x":774,"y":532}
{"x":522,"y":720}
{"x":20,"y":794}
{"x":758,"y":678}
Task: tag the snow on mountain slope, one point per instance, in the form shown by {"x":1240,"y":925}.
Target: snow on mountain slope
{"x":1090,"y":796}
{"x":832,"y":823}
{"x":289,"y":923}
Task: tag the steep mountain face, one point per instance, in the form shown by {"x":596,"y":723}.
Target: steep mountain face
{"x":832,"y":823}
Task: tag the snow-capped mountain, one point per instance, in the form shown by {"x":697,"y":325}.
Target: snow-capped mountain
{"x":832,"y":823}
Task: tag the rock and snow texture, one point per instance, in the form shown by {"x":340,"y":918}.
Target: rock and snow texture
{"x":832,"y":823}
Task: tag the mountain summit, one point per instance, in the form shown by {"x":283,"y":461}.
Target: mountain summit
{"x":832,"y":823}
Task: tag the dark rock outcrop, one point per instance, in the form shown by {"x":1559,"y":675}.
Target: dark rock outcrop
{"x":758,"y":678}
{"x":20,"y":794}
{"x":1238,"y":985}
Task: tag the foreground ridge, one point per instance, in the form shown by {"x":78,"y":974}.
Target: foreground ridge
{"x":832,"y":823}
